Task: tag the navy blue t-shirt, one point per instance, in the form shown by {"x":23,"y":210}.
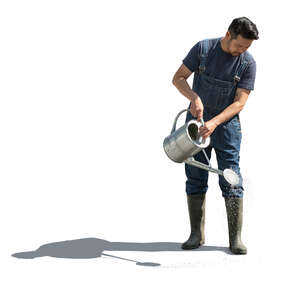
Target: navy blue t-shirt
{"x":222,"y":65}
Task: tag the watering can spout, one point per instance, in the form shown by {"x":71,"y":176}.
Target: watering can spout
{"x":229,"y":175}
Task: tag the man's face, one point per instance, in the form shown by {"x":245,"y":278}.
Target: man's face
{"x":239,"y":45}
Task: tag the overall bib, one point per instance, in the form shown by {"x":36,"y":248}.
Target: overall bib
{"x":216,"y":95}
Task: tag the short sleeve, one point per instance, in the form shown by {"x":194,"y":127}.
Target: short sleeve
{"x":191,"y":61}
{"x":248,"y":78}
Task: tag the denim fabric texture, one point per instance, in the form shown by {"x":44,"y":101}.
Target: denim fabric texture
{"x":216,"y":95}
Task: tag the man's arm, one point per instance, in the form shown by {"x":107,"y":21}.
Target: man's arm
{"x":241,"y":96}
{"x":238,"y":104}
{"x":180,"y":82}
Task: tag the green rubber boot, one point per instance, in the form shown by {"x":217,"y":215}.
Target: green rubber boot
{"x":234,"y":209}
{"x":196,"y":206}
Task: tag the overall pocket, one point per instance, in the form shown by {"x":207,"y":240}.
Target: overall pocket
{"x":225,"y":98}
{"x":215,"y":94}
{"x":235,"y":130}
{"x":236,"y":124}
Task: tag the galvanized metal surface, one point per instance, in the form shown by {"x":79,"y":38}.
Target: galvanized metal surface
{"x":182,"y":144}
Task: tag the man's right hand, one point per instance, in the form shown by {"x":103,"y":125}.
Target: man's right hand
{"x":197,"y":108}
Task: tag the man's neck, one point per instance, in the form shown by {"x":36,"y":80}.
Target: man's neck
{"x":224,"y":45}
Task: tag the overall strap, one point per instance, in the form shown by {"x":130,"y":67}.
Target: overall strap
{"x":240,"y":70}
{"x":205,"y":46}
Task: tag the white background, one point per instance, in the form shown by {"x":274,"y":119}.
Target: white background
{"x":86,"y":101}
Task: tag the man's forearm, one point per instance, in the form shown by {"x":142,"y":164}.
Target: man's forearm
{"x":228,"y":113}
{"x":240,"y":100}
{"x":182,"y":85}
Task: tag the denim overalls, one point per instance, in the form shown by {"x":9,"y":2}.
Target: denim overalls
{"x":216,"y":95}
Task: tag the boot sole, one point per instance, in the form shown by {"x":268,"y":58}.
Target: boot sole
{"x":238,"y":252}
{"x":191,"y":247}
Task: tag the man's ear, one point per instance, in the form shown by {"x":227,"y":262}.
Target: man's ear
{"x":228,"y":35}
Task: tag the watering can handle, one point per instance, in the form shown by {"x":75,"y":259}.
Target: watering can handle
{"x":176,"y":118}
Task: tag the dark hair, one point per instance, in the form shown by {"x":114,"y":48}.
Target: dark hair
{"x":244,"y":27}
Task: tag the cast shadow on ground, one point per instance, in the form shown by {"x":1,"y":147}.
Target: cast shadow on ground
{"x":94,"y":248}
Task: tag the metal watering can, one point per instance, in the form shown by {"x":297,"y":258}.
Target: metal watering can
{"x":182,"y":144}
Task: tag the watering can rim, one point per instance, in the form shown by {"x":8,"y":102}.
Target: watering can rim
{"x":201,"y":144}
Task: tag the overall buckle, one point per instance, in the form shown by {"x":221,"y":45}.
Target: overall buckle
{"x":237,"y":78}
{"x":201,"y":69}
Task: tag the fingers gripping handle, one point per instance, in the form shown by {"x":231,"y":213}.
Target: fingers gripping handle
{"x":178,"y":115}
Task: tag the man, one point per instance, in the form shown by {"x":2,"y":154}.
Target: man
{"x":224,"y":75}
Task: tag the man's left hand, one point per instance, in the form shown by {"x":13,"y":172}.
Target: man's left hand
{"x":207,"y":129}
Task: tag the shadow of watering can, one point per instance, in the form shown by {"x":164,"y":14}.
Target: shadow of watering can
{"x":182,"y":144}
